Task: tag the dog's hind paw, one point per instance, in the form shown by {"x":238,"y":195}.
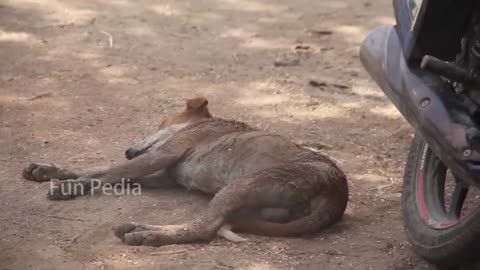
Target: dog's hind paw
{"x":121,"y":230}
{"x":143,"y":238}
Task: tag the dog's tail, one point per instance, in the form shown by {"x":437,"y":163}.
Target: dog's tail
{"x":326,"y":209}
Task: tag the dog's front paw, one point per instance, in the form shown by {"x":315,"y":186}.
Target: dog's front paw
{"x":39,"y":172}
{"x":65,"y":190}
{"x":143,"y":238}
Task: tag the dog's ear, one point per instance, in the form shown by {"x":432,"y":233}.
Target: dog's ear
{"x":197,"y":103}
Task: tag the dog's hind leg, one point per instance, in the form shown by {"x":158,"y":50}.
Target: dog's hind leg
{"x":319,"y":183}
{"x":40,"y":172}
{"x":260,"y":191}
{"x":131,"y":169}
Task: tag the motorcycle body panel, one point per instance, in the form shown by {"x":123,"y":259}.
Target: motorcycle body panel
{"x":424,"y":99}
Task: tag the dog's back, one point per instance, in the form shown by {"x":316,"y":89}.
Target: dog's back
{"x":208,"y":167}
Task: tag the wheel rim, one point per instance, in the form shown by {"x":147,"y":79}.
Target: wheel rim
{"x":441,"y":198}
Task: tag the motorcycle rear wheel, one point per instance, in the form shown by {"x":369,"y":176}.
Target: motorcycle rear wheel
{"x":438,"y":226}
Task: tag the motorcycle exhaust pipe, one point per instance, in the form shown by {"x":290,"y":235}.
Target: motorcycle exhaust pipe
{"x":424,"y":100}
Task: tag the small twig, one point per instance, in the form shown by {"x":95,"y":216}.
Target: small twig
{"x":380,"y":188}
{"x":321,"y":32}
{"x":389,"y":185}
{"x":58,"y":217}
{"x":169,"y":252}
{"x":74,"y":239}
{"x":338,"y":254}
{"x":48,"y":94}
{"x":341,"y":86}
{"x":219,"y":264}
{"x":399,"y":131}
{"x":179,"y":35}
{"x":110,"y":38}
{"x":315,"y":145}
{"x":65,"y":218}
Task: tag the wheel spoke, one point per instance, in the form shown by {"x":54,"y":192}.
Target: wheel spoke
{"x":458,"y":198}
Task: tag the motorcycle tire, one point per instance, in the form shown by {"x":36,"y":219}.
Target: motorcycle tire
{"x":442,"y":238}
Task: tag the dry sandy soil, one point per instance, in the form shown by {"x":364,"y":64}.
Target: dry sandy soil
{"x":81,"y":80}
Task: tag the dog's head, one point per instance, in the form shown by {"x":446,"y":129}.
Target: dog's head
{"x":196,"y":110}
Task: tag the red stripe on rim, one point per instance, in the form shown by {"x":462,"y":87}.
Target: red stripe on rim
{"x":421,"y":196}
{"x":450,"y":223}
{"x":447,"y":224}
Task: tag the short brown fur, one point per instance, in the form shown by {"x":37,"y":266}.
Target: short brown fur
{"x":248,"y":172}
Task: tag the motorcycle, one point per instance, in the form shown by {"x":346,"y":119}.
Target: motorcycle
{"x":428,"y":65}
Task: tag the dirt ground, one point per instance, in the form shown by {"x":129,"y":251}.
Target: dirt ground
{"x":81,"y":80}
